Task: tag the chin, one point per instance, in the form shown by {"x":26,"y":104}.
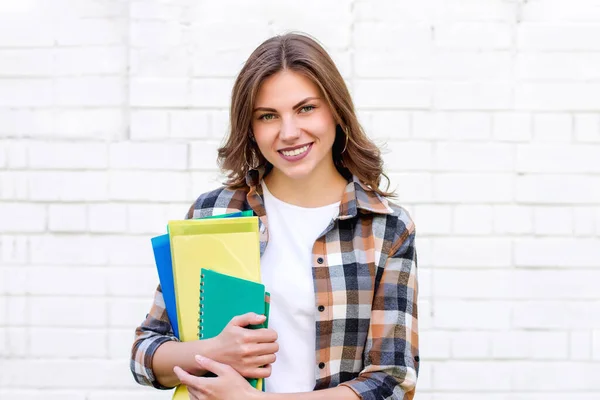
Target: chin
{"x":297,"y":172}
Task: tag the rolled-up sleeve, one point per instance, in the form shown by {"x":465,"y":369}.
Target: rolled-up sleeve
{"x":154,"y":331}
{"x":391,"y":356}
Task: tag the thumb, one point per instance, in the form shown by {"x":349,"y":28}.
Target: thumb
{"x":213,"y":366}
{"x":247,"y":319}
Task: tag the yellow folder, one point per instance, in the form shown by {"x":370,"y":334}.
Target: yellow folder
{"x":229,"y":246}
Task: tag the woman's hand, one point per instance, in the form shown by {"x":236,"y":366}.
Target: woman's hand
{"x":228,"y":385}
{"x":249,"y":351}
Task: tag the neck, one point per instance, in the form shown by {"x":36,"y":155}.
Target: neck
{"x":316,"y":190}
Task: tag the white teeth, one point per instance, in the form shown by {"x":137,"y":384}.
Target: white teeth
{"x":295,"y":152}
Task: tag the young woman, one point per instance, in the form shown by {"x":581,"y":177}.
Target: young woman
{"x":338,"y":258}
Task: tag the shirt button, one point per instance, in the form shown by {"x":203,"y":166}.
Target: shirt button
{"x":320,"y":260}
{"x":321,"y":365}
{"x":321,"y":308}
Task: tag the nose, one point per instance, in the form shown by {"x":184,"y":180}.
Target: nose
{"x":289,"y":131}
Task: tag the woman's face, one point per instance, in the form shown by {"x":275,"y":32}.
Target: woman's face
{"x":293,"y":125}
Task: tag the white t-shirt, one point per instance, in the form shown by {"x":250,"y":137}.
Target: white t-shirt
{"x":286,"y":269}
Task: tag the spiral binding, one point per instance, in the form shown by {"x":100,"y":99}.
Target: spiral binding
{"x":201,"y":313}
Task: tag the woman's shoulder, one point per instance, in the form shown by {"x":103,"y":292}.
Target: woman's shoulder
{"x":218,"y":201}
{"x":400,"y":222}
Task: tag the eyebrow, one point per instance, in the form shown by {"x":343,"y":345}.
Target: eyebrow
{"x":295,"y":106}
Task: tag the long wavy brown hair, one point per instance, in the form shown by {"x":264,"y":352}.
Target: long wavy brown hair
{"x":357,"y":155}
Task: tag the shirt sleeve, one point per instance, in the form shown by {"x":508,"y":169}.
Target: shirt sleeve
{"x":154,"y":331}
{"x":391,"y":356}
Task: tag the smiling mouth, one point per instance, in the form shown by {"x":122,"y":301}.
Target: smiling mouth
{"x":295,"y":152}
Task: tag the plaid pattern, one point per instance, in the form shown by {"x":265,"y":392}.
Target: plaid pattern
{"x":365,"y":277}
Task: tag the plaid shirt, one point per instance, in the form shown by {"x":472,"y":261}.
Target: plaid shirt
{"x":365,"y":279}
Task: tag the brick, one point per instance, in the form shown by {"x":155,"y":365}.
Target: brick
{"x":472,"y":375}
{"x":574,"y":376}
{"x":94,"y":124}
{"x":552,"y":127}
{"x":553,"y":220}
{"x":148,"y":218}
{"x":434,"y":345}
{"x":556,"y":10}
{"x":576,"y":189}
{"x":472,"y":252}
{"x":25,"y":62}
{"x":33,"y":92}
{"x":587,"y":127}
{"x":189,"y":124}
{"x":14,"y":249}
{"x":108,"y":217}
{"x":473,"y":188}
{"x":15,"y":278}
{"x":156,"y":11}
{"x":163,"y":62}
{"x":473,"y":35}
{"x":99,"y":91}
{"x":17,"y":342}
{"x":150,"y":33}
{"x":389,"y":125}
{"x":67,"y":218}
{"x":19,"y":217}
{"x":408,"y":156}
{"x":394,"y":11}
{"x":219,"y":123}
{"x":473,"y":10}
{"x":126,"y":313}
{"x":148,"y":156}
{"x":473,"y":219}
{"x":412,"y":186}
{"x":91,"y":31}
{"x":159,"y":92}
{"x":433,"y":219}
{"x":530,"y":345}
{"x":149,"y":124}
{"x":68,"y":186}
{"x":580,"y":345}
{"x":472,"y":65}
{"x":557,"y":36}
{"x":451,"y":125}
{"x":557,"y":252}
{"x":90,"y":61}
{"x":584,"y":221}
{"x":138,"y":394}
{"x":206,"y":27}
{"x":512,"y":127}
{"x":17,"y":314}
{"x":542,"y":96}
{"x":16,"y":154}
{"x":473,"y":284}
{"x":557,"y":66}
{"x":129,"y":250}
{"x":391,"y":36}
{"x":119,"y":281}
{"x":385,"y":64}
{"x":66,"y":250}
{"x":211,"y":92}
{"x":67,"y":155}
{"x":475,"y":315}
{"x":556,"y":315}
{"x":596,"y":345}
{"x":203,"y":155}
{"x":451,"y":157}
{"x":203,"y":182}
{"x":470,"y":345}
{"x":84,"y":312}
{"x":473,"y":96}
{"x":91,"y":281}
{"x":145,"y":186}
{"x":68,"y":343}
{"x":25,"y":30}
{"x":392,"y":94}
{"x":558,"y":158}
{"x":119,"y":343}
{"x":550,"y":284}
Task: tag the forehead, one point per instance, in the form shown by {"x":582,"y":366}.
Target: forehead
{"x":285,"y":88}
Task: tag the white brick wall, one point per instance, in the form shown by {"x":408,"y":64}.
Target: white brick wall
{"x":111,"y":112}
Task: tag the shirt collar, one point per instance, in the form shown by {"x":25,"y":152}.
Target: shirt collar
{"x":357,"y":196}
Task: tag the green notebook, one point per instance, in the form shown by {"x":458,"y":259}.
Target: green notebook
{"x":223,"y":297}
